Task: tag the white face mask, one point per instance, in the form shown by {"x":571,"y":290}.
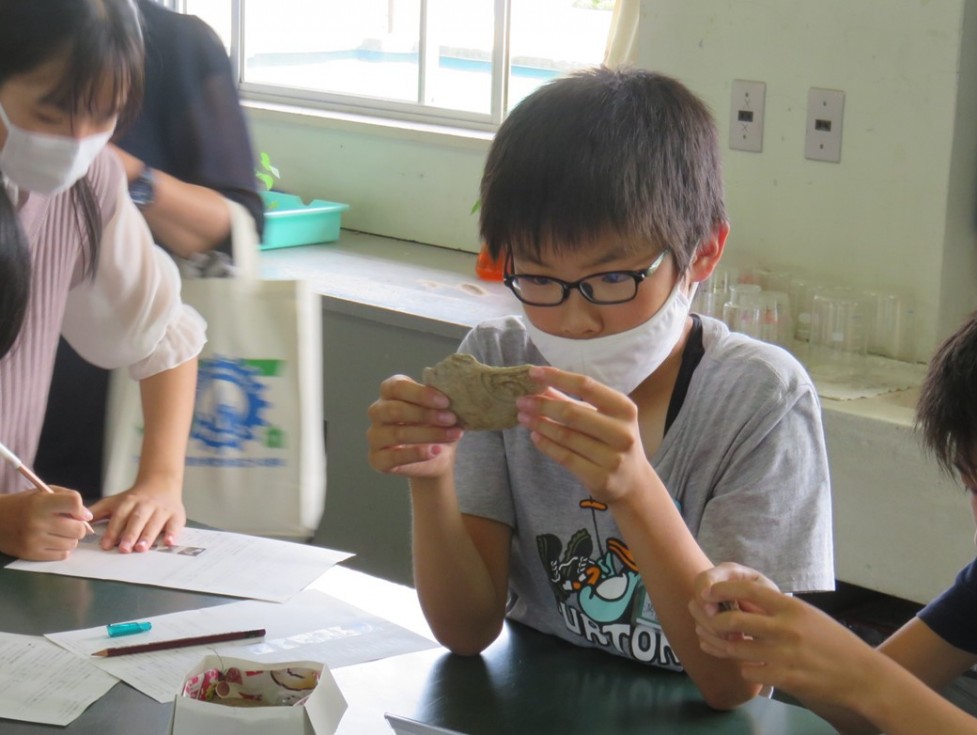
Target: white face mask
{"x":621,"y":361}
{"x":46,"y":164}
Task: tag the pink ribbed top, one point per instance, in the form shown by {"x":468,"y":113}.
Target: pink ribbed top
{"x":131,"y":273}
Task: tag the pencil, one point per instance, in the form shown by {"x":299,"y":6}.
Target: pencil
{"x":32,"y":478}
{"x":198,"y":640}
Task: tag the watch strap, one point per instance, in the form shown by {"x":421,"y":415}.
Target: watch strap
{"x":142,"y":191}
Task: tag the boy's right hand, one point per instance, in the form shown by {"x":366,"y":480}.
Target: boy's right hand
{"x":40,"y":526}
{"x":412,"y":432}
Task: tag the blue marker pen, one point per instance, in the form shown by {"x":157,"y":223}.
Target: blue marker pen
{"x":116,"y":629}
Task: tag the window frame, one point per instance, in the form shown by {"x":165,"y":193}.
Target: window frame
{"x":380,"y":109}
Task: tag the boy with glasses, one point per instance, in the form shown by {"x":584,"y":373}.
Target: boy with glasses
{"x":661,"y":440}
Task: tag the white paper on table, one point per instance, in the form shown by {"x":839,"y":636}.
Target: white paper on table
{"x":41,"y":682}
{"x":215,"y":562}
{"x":311,"y":626}
{"x":874,"y":376}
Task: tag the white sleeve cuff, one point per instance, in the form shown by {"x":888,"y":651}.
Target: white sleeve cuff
{"x":183,"y":340}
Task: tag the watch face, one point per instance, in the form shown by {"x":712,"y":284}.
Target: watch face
{"x":141,"y":190}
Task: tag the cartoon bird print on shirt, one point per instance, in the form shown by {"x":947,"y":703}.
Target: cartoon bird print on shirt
{"x":605,"y":586}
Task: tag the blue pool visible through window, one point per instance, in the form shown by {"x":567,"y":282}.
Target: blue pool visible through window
{"x":459,"y":62}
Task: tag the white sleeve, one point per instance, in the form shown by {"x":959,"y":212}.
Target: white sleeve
{"x":130,"y":313}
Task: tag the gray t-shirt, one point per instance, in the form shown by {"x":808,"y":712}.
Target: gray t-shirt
{"x":744,"y":460}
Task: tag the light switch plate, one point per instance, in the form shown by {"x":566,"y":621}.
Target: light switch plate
{"x":746,"y":115}
{"x":825,"y":110}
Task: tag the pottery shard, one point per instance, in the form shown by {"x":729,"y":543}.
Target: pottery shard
{"x":483,"y":397}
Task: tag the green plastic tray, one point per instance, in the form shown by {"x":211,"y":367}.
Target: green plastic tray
{"x":290,"y":222}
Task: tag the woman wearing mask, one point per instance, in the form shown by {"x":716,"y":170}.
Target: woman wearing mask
{"x":77,"y":258}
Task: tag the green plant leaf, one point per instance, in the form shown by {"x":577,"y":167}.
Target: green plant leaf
{"x":266,"y":173}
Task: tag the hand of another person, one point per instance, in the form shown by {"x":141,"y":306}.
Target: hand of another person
{"x":411,"y":432}
{"x":778,"y":639}
{"x":595,"y":436}
{"x":704,"y":605}
{"x":141,"y":514}
{"x":41,"y":526}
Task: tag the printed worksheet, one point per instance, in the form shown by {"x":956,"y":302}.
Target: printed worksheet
{"x":312,"y":626}
{"x":214,"y":562}
{"x":42,"y":682}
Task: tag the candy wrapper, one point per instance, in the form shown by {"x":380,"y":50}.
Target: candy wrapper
{"x":228,"y":695}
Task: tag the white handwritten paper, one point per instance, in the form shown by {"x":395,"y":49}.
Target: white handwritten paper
{"x":42,"y":682}
{"x":312,"y":626}
{"x":214,"y":562}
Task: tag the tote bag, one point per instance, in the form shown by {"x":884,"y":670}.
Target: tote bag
{"x":256,"y":457}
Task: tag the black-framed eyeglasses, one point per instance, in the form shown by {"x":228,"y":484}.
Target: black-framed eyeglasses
{"x":608,"y":287}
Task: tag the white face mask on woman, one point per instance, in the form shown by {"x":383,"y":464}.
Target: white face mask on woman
{"x":44,"y":163}
{"x":621,"y":361}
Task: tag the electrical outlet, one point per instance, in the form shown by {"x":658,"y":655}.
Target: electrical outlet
{"x":825,"y":109}
{"x":746,"y":115}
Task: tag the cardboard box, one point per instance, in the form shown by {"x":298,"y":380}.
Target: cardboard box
{"x":318,"y":714}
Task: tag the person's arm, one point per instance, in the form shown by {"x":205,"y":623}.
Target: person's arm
{"x":786,"y":643}
{"x":185,"y":218}
{"x":898,"y":703}
{"x":461,"y":568}
{"x":930,"y":660}
{"x":460,"y":562}
{"x":669,"y":558}
{"x":917,"y":648}
{"x":597,"y":438}
{"x":197,"y":143}
{"x":154,"y":505}
{"x":129,"y":314}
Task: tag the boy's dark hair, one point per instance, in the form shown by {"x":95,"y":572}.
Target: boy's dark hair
{"x":602,"y":150}
{"x":947,"y":410}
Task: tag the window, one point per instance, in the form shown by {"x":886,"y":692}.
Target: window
{"x":453,"y":62}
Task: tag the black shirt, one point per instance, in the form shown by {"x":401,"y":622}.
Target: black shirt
{"x":190,"y":124}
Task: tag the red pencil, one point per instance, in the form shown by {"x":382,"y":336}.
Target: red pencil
{"x":180,"y":643}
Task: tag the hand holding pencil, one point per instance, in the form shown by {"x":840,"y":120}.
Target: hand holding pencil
{"x":41,"y":526}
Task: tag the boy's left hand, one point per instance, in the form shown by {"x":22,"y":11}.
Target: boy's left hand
{"x":141,"y":514}
{"x":595,"y":436}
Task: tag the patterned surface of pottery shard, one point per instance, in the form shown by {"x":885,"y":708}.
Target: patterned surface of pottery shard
{"x":483,"y":397}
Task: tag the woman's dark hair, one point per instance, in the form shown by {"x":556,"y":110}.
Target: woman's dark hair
{"x":946,"y":413}
{"x":628,"y":151}
{"x":100,"y":40}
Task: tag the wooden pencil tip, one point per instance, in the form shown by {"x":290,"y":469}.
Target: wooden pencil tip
{"x":103,"y":653}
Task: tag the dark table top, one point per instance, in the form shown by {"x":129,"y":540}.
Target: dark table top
{"x":525,"y":682}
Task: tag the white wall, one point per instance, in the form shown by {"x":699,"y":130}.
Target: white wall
{"x":898,"y":211}
{"x":412,"y":185}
